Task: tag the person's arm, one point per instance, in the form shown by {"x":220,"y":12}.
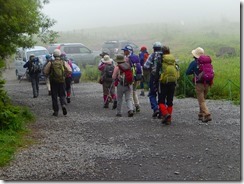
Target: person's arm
{"x":26,"y":64}
{"x":47,"y":68}
{"x":191,"y":68}
{"x":68,"y":68}
{"x":115,"y":73}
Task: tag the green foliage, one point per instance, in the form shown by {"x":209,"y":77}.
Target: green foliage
{"x":90,"y":73}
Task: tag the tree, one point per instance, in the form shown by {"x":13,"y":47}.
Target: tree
{"x":20,"y":21}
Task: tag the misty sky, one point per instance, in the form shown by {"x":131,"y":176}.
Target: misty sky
{"x":81,"y":14}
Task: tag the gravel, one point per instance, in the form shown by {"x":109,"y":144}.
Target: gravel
{"x":91,"y":144}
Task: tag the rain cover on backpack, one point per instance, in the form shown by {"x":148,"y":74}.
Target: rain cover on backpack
{"x":57,"y":73}
{"x":206,"y":71}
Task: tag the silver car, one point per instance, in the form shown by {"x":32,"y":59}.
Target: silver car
{"x":22,"y":55}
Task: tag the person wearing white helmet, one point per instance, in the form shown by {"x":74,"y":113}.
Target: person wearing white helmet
{"x":57,"y":70}
{"x":152,"y":64}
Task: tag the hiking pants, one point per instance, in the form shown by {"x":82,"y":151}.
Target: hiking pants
{"x":153,"y":94}
{"x":127,"y":91}
{"x":201,"y":92}
{"x":166,"y":94}
{"x":35,"y":84}
{"x":57,"y":90}
{"x":135,"y":100}
{"x":68,"y":81}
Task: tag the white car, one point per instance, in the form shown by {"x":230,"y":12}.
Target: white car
{"x":22,"y":56}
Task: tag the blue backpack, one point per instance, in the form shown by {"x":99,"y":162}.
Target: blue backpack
{"x":136,"y":67}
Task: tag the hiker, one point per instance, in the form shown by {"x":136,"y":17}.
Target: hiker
{"x":123,"y":78}
{"x":68,"y":77}
{"x":57,"y":70}
{"x":143,"y":55}
{"x":135,"y":64}
{"x":168,"y":79}
{"x":201,"y":87}
{"x":48,"y":59}
{"x":152,"y":64}
{"x":34,"y":70}
{"x":106,"y":67}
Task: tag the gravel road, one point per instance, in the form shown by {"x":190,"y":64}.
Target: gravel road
{"x":91,"y":144}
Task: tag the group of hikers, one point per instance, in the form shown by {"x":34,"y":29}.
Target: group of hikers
{"x":129,"y":71}
{"x":122,"y":77}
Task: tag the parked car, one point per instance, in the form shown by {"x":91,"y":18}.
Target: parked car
{"x":78,"y":52}
{"x":76,"y":73}
{"x":22,"y":56}
{"x":113,"y":47}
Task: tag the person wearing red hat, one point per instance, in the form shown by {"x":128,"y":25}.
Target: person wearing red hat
{"x":143,"y":55}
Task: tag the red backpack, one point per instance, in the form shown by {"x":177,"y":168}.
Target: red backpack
{"x":206,"y":71}
{"x":126,"y":74}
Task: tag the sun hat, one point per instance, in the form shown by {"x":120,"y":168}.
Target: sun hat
{"x":56,"y":53}
{"x":119,"y":58}
{"x":103,"y":54}
{"x":106,"y":58}
{"x":127,"y":47}
{"x":197,"y":52}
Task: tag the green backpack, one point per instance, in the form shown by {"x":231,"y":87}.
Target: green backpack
{"x":57,"y":73}
{"x":170,"y":71}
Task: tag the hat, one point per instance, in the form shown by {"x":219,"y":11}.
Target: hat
{"x":197,"y":52}
{"x":106,"y":58}
{"x":103,"y":54}
{"x":56,"y":53}
{"x":143,"y":48}
{"x":119,"y":59}
{"x":127,"y":47}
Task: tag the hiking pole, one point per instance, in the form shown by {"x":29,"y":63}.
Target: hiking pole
{"x":109,"y":92}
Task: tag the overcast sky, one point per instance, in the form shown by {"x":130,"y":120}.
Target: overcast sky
{"x":81,"y":14}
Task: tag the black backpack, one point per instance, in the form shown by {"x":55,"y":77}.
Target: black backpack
{"x":34,"y":66}
{"x":108,"y":72}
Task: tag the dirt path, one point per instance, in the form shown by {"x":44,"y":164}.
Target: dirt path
{"x":92,"y":144}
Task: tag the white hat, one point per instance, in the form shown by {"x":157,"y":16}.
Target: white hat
{"x":106,"y":58}
{"x":56,"y":53}
{"x":197,"y":52}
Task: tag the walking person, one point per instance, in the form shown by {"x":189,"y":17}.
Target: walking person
{"x":107,"y":67}
{"x":34,"y":70}
{"x":201,"y":87}
{"x":123,"y":78}
{"x":152,"y":64}
{"x":135,"y":64}
{"x":143,"y":55}
{"x":168,"y":79}
{"x":57,"y":70}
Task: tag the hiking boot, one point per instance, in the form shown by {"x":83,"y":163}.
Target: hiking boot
{"x":155,"y":113}
{"x":200,"y":117}
{"x":49,"y":93}
{"x":114,"y":105}
{"x":205,"y":119}
{"x":68,"y":99}
{"x":142,"y":93}
{"x":55,"y":113}
{"x":106,"y":105}
{"x":166,"y":119}
{"x":138,"y":108}
{"x":64,"y":110}
{"x":118,"y":115}
{"x":35,"y":96}
{"x":130,"y":113}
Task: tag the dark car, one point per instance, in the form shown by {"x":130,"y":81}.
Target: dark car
{"x":78,"y":52}
{"x":113,"y":47}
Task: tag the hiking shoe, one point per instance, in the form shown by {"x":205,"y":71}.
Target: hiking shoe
{"x":155,"y":113}
{"x":115,"y":105}
{"x":130,"y":113}
{"x":106,"y":105}
{"x":49,"y":93}
{"x":64,"y":110}
{"x":138,"y":108}
{"x":68,"y":100}
{"x":165,"y":119}
{"x":142,"y":93}
{"x":205,"y":119}
{"x":55,"y":113}
{"x":119,"y":115}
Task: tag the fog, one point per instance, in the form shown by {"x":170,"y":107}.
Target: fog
{"x":82,"y":14}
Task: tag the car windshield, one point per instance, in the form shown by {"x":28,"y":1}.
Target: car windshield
{"x":110,"y":45}
{"x":37,"y":53}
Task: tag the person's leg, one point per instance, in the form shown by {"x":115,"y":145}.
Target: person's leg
{"x":135,"y":96}
{"x":128,"y":100}
{"x":54,"y":95}
{"x":68,"y":81}
{"x":33,"y":84}
{"x":61,"y":94}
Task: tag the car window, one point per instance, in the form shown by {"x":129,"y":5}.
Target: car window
{"x":110,"y":45}
{"x":37,"y":53}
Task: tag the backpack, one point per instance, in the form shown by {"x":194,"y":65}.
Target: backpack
{"x":57,"y":71}
{"x":143,"y":57}
{"x":206,"y":71}
{"x":108,"y":72}
{"x":136,"y":67}
{"x":170,"y":71}
{"x":126,"y":76}
{"x":35,"y":66}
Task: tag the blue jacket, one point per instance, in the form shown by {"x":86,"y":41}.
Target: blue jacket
{"x":193,"y":68}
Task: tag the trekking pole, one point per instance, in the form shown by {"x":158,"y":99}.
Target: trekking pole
{"x":109,"y":92}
